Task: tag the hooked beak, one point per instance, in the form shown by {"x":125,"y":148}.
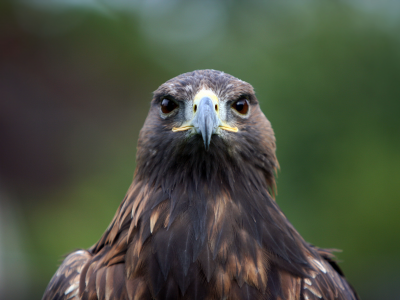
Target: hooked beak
{"x":206,"y":120}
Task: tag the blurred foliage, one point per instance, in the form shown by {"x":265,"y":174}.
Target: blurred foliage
{"x":75,"y":85}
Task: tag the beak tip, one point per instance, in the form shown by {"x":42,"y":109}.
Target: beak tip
{"x":207,"y":145}
{"x":207,"y":141}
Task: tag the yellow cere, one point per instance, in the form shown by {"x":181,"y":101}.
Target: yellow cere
{"x":205,"y":93}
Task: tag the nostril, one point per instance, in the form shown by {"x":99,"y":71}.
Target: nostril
{"x":216,"y":107}
{"x":195,"y":108}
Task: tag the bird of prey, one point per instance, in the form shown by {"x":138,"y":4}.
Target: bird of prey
{"x":199,"y":220}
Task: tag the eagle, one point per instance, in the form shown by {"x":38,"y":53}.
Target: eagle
{"x":200,"y":220}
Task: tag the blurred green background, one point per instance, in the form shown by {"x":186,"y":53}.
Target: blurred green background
{"x":76,"y":78}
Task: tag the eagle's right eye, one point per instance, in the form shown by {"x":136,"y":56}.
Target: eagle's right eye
{"x":168,"y":106}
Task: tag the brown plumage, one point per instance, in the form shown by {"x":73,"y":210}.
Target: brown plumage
{"x":199,"y":221}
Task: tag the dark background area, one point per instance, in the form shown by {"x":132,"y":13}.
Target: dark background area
{"x":76,"y":79}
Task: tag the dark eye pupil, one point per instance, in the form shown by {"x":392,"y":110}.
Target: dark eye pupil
{"x":167,"y":106}
{"x":241,"y":106}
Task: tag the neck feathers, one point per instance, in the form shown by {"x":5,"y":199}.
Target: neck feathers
{"x":219,"y":224}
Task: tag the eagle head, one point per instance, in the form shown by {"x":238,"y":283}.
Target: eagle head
{"x":201,"y":122}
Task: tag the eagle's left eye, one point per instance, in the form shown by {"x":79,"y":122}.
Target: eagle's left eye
{"x":241,"y":106}
{"x":168,"y":106}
